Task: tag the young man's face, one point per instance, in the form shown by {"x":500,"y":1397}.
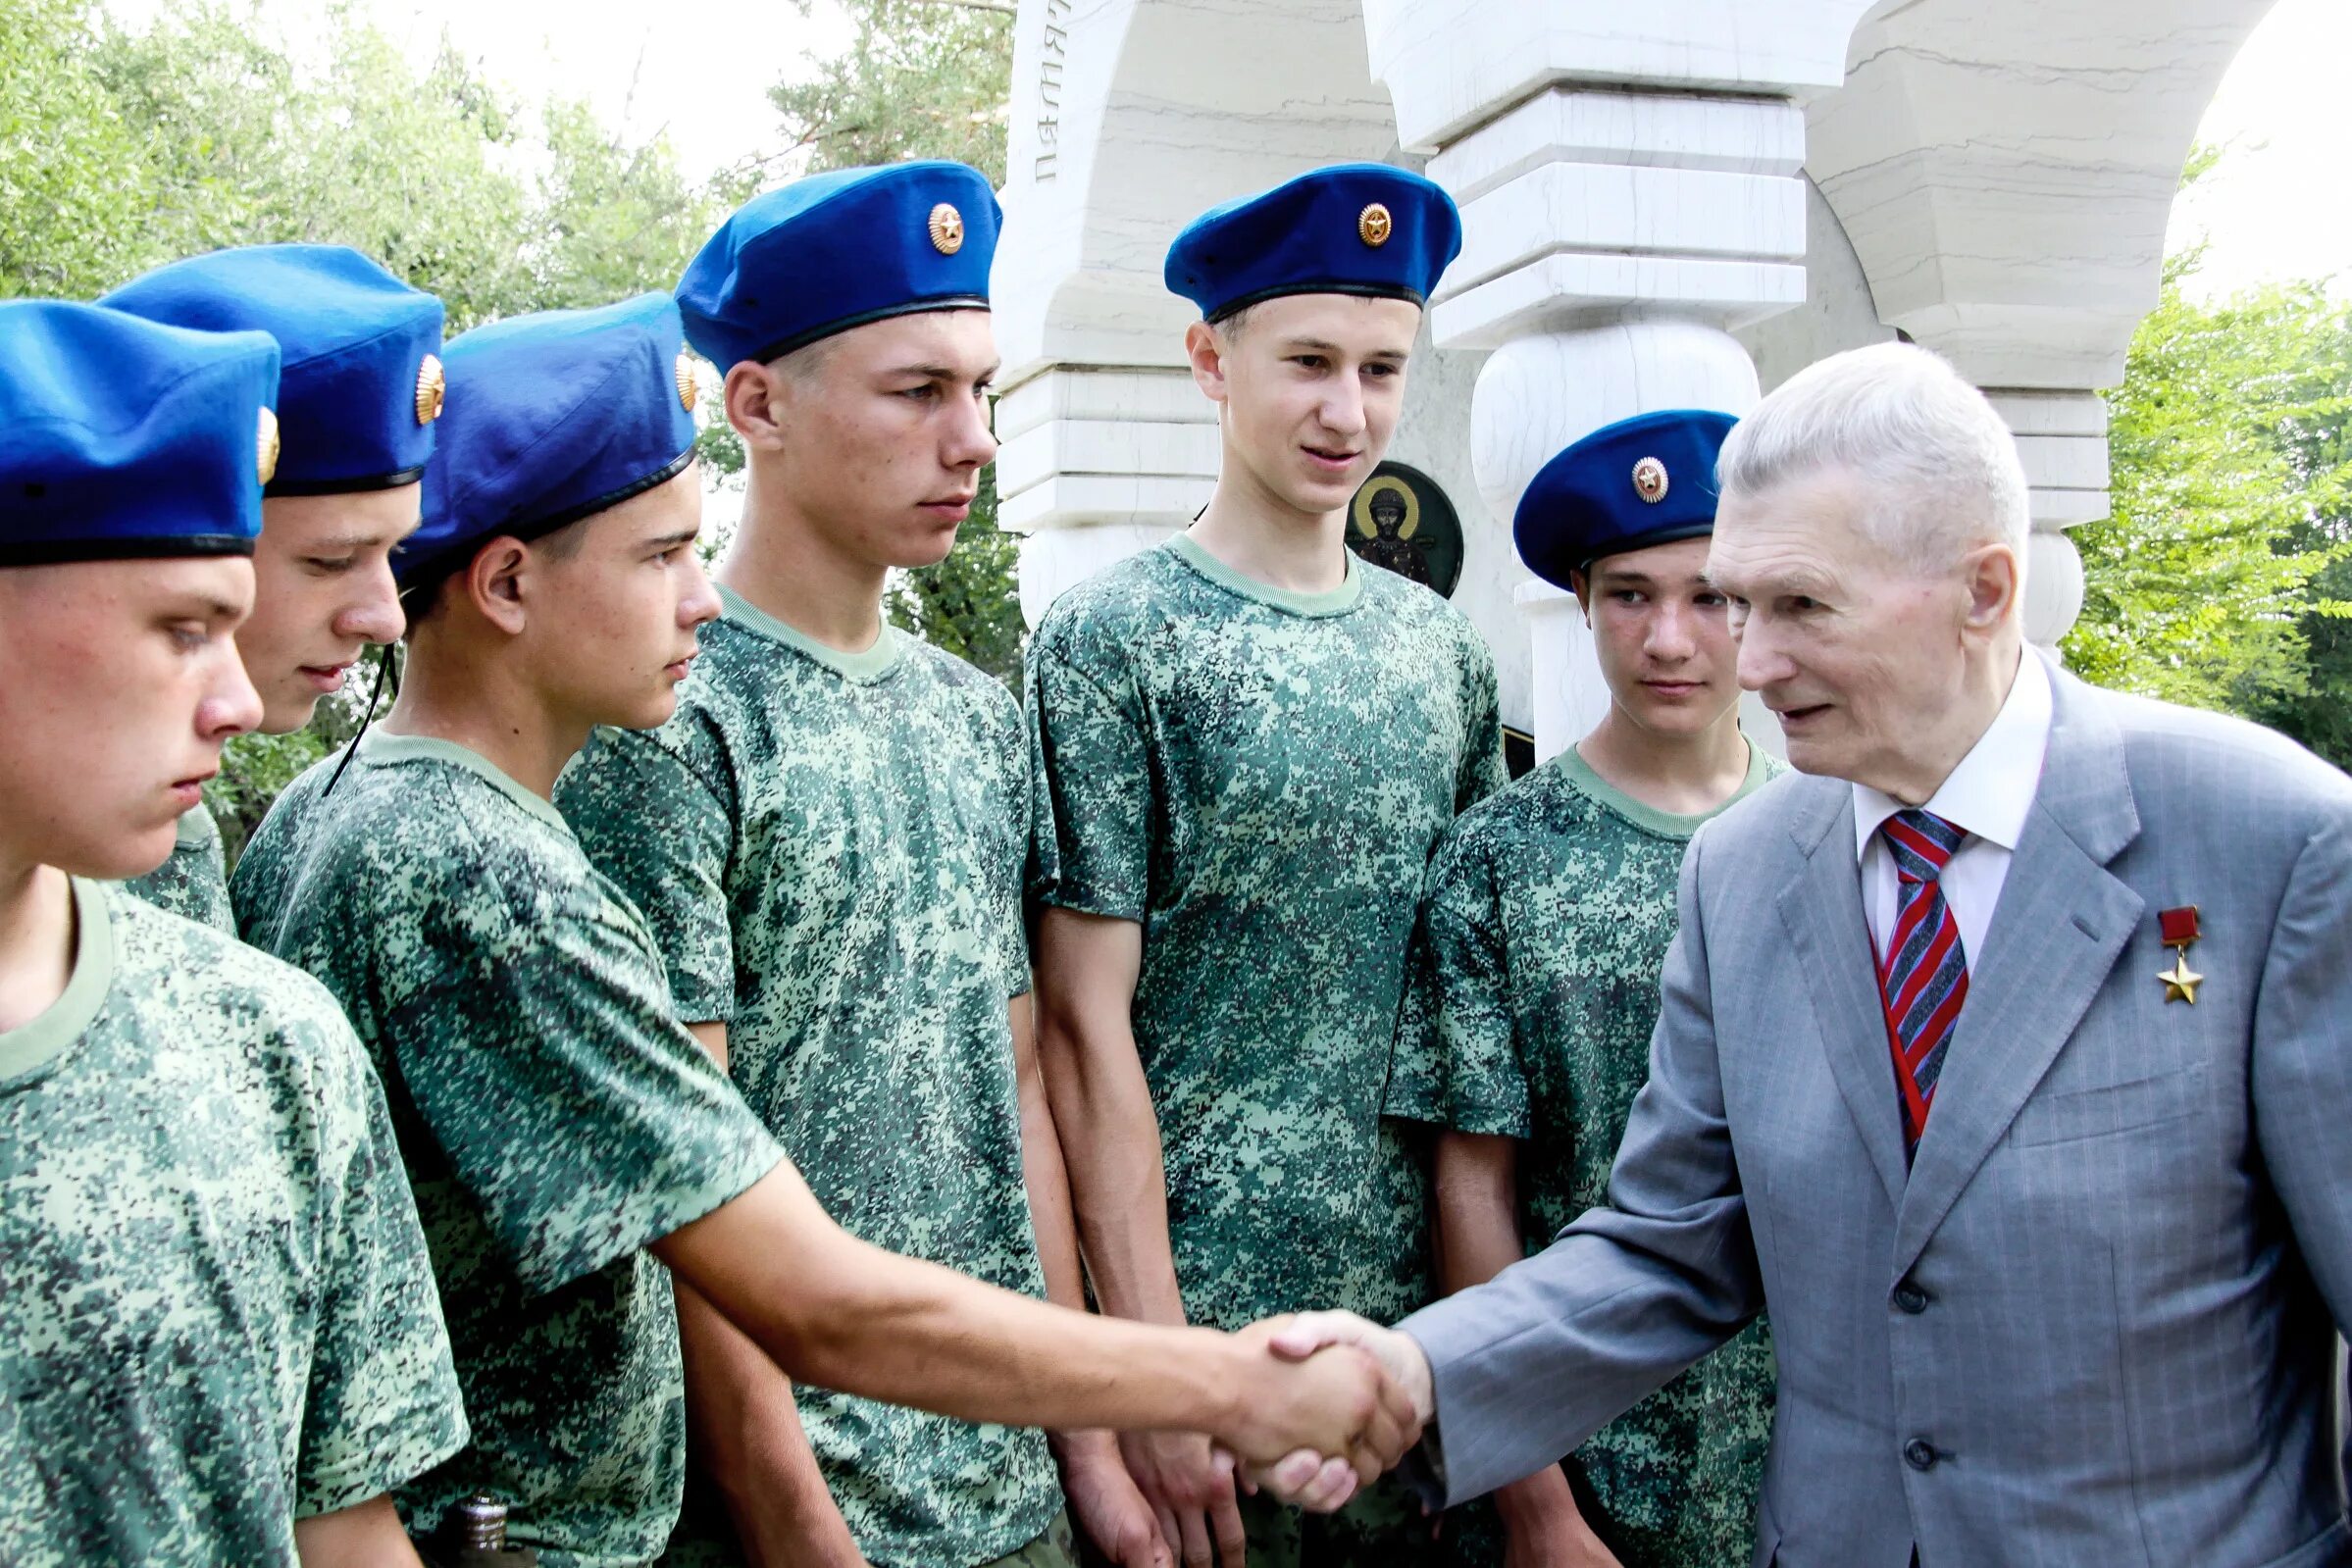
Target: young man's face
{"x":612,"y":610}
{"x":1311,"y":387}
{"x":884,"y":431}
{"x":122,"y":681}
{"x":1663,"y":636}
{"x":323,"y":594}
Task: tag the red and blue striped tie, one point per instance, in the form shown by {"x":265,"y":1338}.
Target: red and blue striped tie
{"x":1923,"y":977}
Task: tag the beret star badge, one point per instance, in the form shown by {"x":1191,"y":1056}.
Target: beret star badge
{"x":2179,"y":929}
{"x":1373,"y":224}
{"x":946,"y":229}
{"x":1650,"y":481}
{"x":266,"y":450}
{"x":432,"y":388}
{"x":686,"y":391}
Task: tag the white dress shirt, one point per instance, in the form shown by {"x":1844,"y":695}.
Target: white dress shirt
{"x":1987,"y":797}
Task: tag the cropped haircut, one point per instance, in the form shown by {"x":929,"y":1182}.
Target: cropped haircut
{"x":1940,"y":467}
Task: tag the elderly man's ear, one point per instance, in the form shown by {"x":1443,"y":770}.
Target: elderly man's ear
{"x":1996,"y":583}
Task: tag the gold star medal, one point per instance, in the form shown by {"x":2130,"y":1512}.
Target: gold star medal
{"x":2179,"y":931}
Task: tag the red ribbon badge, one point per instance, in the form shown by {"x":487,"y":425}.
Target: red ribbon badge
{"x":2178,"y":926}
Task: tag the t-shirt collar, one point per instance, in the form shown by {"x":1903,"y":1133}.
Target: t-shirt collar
{"x":1989,"y":794}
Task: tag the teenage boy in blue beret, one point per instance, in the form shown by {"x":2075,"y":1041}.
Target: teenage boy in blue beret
{"x":360,"y":389}
{"x":222,"y":1344}
{"x":1252,"y":742}
{"x":1544,"y":926}
{"x":828,"y":842}
{"x":562,"y":1129}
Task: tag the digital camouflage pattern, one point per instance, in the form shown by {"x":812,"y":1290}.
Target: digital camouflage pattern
{"x":220,"y":1315}
{"x":828,"y":849}
{"x":1547,"y":915}
{"x":553,"y":1116}
{"x":194,"y":881}
{"x":1258,"y":778}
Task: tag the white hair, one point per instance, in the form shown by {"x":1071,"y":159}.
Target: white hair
{"x":1940,"y":466}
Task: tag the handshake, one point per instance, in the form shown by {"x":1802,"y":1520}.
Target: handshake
{"x":1334,"y":1401}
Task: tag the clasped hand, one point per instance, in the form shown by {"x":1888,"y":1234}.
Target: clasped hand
{"x":1344,"y":1398}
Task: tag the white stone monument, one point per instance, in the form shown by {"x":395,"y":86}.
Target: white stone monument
{"x":1669,"y":204}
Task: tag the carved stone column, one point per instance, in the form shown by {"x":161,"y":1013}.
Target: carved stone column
{"x":1631,"y":194}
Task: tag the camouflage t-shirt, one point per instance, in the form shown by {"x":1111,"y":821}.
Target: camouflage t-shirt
{"x":829,"y":848}
{"x":219,"y":1314}
{"x":554,"y":1119}
{"x":1546,"y":918}
{"x":194,"y":881}
{"x":1258,"y":778}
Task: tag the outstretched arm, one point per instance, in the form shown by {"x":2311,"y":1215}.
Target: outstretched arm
{"x":831,"y":1310}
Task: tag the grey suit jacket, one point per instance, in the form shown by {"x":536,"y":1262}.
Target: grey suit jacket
{"x":2094,"y":1323}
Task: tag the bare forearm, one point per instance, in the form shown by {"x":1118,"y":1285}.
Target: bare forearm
{"x":1477,"y":1209}
{"x":831,"y":1310}
{"x":366,"y":1535}
{"x":1048,"y":1181}
{"x":746,"y":1431}
{"x":1043,"y":1170}
{"x":1086,"y":972}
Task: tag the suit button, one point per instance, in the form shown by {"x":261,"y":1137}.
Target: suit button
{"x":1920,"y":1454}
{"x":1911,"y":1298}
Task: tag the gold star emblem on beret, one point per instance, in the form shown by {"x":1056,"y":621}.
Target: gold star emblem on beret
{"x":432,"y":389}
{"x":266,"y":449}
{"x":1374,"y":225}
{"x":1650,"y":481}
{"x":2181,"y":982}
{"x":684,"y":374}
{"x":946,"y":229}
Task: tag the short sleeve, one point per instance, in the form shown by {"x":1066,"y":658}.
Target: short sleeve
{"x":1093,"y":834}
{"x":663,"y":834}
{"x":382,"y":1405}
{"x":579,"y":1115}
{"x":1483,"y":770}
{"x":1009,"y":861}
{"x":1459,"y":1067}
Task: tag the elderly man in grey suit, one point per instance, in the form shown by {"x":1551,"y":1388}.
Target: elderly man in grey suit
{"x":2008,"y":1056}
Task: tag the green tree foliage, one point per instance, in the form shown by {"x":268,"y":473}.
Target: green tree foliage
{"x":2230,"y":494}
{"x":921,"y":78}
{"x":2319,"y":447}
{"x":120,"y":150}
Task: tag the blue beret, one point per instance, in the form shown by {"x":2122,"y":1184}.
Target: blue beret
{"x":1648,"y":479}
{"x":838,"y":250}
{"x":121,"y":438}
{"x":552,"y":416}
{"x":1351,"y":228}
{"x":361,"y":382}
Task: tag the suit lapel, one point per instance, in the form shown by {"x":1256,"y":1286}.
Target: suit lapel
{"x":2061,"y":924}
{"x":1838,"y":973}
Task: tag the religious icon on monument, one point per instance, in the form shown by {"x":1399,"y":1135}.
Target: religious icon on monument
{"x":1402,"y":521}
